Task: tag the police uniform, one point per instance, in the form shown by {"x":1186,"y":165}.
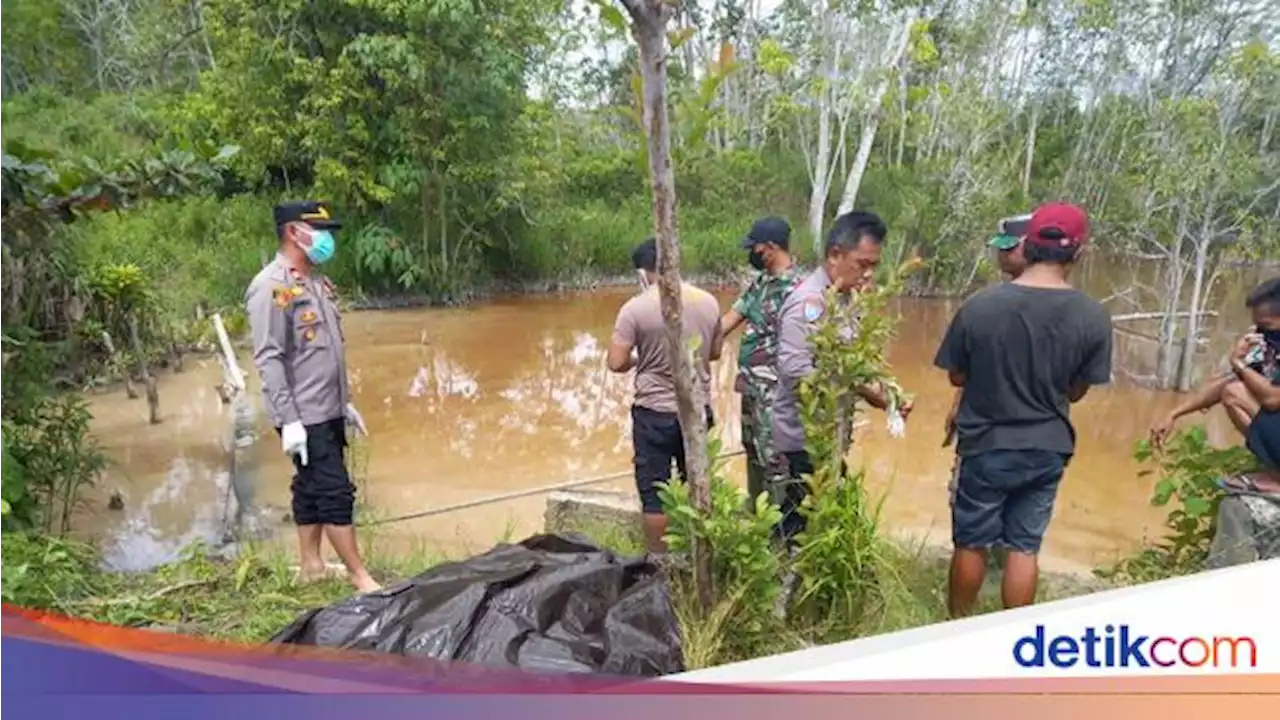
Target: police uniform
{"x":298,"y":350}
{"x":798,"y":319}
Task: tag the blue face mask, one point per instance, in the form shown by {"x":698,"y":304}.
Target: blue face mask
{"x":322,"y":247}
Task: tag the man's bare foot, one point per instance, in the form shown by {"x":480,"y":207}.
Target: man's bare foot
{"x":1258,"y":483}
{"x":1267,"y":482}
{"x":364,"y":583}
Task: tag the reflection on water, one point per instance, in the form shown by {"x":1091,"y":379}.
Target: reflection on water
{"x":513,"y":393}
{"x":188,"y":506}
{"x":174,"y":477}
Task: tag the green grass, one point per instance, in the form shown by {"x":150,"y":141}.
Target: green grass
{"x":253,"y":596}
{"x":247,"y":599}
{"x":894,"y":585}
{"x":915,"y":597}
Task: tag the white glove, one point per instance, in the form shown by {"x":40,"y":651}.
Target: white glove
{"x":355,"y":420}
{"x":293,"y":437}
{"x":897,"y":425}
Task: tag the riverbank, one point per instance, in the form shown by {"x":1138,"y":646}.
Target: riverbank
{"x":249,"y":597}
{"x":515,"y":287}
{"x":206,"y":345}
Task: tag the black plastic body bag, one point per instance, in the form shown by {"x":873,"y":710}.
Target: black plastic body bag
{"x":549,"y":603}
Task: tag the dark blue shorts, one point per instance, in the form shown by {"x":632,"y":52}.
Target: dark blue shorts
{"x":658,"y":442}
{"x":1264,"y":439}
{"x":1005,"y":497}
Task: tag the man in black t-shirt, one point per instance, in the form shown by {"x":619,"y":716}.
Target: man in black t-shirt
{"x":1008,"y":245}
{"x":1022,"y":352}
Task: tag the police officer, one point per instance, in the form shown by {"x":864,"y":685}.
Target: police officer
{"x":298,"y":350}
{"x":852,"y":254}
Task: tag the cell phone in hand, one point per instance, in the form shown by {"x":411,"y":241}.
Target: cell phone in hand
{"x":1256,"y":355}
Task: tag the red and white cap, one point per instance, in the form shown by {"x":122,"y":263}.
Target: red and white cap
{"x":1058,"y":225}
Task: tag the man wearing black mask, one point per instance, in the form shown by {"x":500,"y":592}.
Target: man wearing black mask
{"x":1250,"y":391}
{"x":768,"y":245}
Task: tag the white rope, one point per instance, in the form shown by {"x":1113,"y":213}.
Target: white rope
{"x":514,"y":495}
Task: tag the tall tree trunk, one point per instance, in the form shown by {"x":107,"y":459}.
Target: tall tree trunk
{"x":854,"y":180}
{"x":649,"y":20}
{"x":902,"y":118}
{"x":444,"y":230}
{"x":148,"y":380}
{"x":1189,"y":342}
{"x":1187,"y":349}
{"x":1166,"y":360}
{"x":1031,"y":151}
{"x":1268,"y":124}
{"x":818,"y":192}
{"x":198,"y":9}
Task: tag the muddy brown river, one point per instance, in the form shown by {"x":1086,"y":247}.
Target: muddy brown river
{"x":512,"y":393}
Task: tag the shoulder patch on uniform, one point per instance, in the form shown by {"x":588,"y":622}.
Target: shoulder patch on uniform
{"x":282,"y":296}
{"x":813,"y":308}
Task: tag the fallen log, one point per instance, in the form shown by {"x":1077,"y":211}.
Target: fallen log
{"x":1123,"y":317}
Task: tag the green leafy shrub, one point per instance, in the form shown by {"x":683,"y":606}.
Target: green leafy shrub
{"x":49,"y":455}
{"x":847,"y":577}
{"x":746,"y":564}
{"x":45,"y":572}
{"x":17,"y":506}
{"x":1188,"y":468}
{"x":383,"y":260}
{"x":195,"y":251}
{"x":57,"y":455}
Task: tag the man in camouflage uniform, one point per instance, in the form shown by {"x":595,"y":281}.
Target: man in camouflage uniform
{"x":768,"y":242}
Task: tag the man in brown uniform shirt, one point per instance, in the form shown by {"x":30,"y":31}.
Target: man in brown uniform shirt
{"x":655,"y":426}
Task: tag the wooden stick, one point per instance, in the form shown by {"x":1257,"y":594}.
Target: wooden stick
{"x":184,"y":585}
{"x":236,"y":377}
{"x":153,"y":393}
{"x":119,"y":366}
{"x":1135,"y":334}
{"x":175,"y":351}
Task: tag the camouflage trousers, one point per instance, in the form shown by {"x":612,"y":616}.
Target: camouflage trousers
{"x":766,"y":468}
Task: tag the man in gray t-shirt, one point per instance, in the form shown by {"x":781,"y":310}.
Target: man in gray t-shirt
{"x":655,"y":425}
{"x":1021,"y":352}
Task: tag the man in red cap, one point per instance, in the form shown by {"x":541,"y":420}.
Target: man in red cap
{"x":1021,"y":352}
